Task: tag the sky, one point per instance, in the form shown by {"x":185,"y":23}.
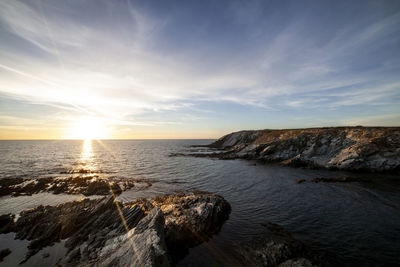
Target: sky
{"x":195,"y":69}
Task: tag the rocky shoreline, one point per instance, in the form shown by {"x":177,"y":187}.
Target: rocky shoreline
{"x":104,"y":232}
{"x":148,"y":232}
{"x":371,"y":149}
{"x":86,"y":185}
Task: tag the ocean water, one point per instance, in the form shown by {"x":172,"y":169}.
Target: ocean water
{"x":359,"y":222}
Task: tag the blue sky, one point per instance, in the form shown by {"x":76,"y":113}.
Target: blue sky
{"x":196,"y":69}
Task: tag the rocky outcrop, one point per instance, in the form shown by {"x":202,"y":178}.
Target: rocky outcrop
{"x":142,"y":246}
{"x":103,"y":232}
{"x":86,"y":185}
{"x":189,"y":219}
{"x":347,"y":148}
{"x":277,"y":247}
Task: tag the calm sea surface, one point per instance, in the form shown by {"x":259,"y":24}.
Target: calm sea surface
{"x":358,"y":221}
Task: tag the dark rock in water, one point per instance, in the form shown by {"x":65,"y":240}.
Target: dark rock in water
{"x":83,"y":170}
{"x":86,"y":185}
{"x":346,"y":148}
{"x":299,"y":181}
{"x":6,"y":223}
{"x":4,"y":253}
{"x":277,"y":247}
{"x":299,"y":262}
{"x":7,"y":185}
{"x":45,"y":255}
{"x":103,"y":232}
{"x":341,"y":179}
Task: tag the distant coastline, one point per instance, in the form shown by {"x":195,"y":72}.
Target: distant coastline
{"x":345,"y":148}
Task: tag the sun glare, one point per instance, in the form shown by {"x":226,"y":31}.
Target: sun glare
{"x":88,"y":128}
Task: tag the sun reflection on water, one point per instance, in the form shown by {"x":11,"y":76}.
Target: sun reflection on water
{"x":87,"y":151}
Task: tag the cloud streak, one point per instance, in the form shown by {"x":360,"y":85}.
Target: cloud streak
{"x":128,"y":58}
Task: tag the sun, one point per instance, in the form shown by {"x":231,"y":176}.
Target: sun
{"x":88,"y":128}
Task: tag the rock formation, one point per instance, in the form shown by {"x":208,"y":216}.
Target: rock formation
{"x":86,"y":185}
{"x":103,"y":232}
{"x":347,"y":148}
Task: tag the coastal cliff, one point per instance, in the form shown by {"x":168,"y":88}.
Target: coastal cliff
{"x":345,"y":148}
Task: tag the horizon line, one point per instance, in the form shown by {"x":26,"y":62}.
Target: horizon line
{"x":106,"y":139}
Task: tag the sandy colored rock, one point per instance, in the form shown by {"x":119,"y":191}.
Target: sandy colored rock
{"x":346,"y":148}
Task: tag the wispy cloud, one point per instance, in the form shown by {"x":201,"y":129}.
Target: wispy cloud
{"x":125,"y":58}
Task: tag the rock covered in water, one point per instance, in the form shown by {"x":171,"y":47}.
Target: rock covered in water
{"x":277,"y":247}
{"x":103,"y":232}
{"x":347,"y":148}
{"x":340,"y":179}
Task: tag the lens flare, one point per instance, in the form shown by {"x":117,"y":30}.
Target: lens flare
{"x":88,"y":128}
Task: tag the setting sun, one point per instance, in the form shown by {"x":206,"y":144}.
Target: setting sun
{"x":88,"y":128}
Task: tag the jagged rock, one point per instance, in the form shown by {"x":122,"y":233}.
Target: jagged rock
{"x":86,"y":185}
{"x":104,"y":232}
{"x":83,"y":221}
{"x":241,"y":138}
{"x":141,"y":246}
{"x":347,"y":148}
{"x":190,"y":217}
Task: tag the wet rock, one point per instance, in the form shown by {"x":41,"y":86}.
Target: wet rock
{"x":346,"y":148}
{"x":277,"y":247}
{"x":86,"y":185}
{"x":104,"y":232}
{"x":6,"y":223}
{"x":4,"y":253}
{"x":299,"y":181}
{"x":7,"y":184}
{"x":83,"y":170}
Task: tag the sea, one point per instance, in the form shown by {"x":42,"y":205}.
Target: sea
{"x":358,"y":222}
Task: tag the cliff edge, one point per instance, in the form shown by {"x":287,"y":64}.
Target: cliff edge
{"x":346,"y":148}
